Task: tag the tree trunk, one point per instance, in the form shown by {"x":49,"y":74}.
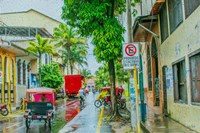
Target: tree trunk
{"x":40,"y":65}
{"x":111,"y":67}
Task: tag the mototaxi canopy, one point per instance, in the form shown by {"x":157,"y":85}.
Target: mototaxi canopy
{"x":38,"y":92}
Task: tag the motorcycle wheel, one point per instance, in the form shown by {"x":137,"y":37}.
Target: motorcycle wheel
{"x":107,"y":104}
{"x":4,"y":111}
{"x":28,"y":123}
{"x":50,"y":123}
{"x":97,"y":103}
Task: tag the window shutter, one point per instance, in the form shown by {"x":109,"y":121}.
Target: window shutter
{"x":175,"y":80}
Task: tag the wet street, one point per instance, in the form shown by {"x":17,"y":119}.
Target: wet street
{"x":15,"y":123}
{"x":89,"y":120}
{"x":66,"y":110}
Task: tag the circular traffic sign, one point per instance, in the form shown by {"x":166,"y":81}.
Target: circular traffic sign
{"x":130,"y":50}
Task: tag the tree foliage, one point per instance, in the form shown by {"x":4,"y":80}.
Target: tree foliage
{"x":102,"y":75}
{"x":51,"y":76}
{"x":74,"y":47}
{"x":39,"y":47}
{"x":98,"y":18}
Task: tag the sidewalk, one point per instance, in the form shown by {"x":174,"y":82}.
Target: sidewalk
{"x":157,"y":123}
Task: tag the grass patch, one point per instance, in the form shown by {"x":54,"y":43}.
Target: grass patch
{"x":58,"y":124}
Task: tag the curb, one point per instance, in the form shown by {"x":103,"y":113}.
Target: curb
{"x":144,"y":128}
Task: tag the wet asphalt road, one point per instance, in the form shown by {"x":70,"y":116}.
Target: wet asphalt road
{"x":67,"y":110}
{"x":16,"y":123}
{"x":89,"y":120}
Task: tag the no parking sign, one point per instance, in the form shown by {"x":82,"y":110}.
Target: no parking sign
{"x":130,"y":55}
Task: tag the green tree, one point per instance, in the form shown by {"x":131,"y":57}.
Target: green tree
{"x":97,"y":18}
{"x":39,"y":47}
{"x":102,"y":77}
{"x":86,"y":73}
{"x":51,"y":76}
{"x":67,"y":38}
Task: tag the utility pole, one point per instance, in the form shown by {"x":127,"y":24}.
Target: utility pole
{"x":132,"y":90}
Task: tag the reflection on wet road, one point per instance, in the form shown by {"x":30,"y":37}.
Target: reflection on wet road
{"x":16,"y":123}
{"x":72,"y":109}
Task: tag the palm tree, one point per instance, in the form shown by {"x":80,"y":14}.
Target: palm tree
{"x":77,"y":57}
{"x":86,"y":73}
{"x":68,"y":39}
{"x":40,"y":47}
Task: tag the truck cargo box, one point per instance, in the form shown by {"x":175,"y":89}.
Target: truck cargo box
{"x":73,"y":84}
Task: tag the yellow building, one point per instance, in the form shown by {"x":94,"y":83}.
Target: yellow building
{"x":18,"y":28}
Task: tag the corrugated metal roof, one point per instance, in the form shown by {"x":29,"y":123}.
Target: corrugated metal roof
{"x":50,"y":8}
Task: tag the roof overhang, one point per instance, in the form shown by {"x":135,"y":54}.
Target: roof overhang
{"x":19,"y":31}
{"x":142,"y":27}
{"x":16,"y":50}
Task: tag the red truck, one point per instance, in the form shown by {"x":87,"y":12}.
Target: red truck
{"x":73,"y":84}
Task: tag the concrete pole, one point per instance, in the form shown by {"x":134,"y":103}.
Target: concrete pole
{"x":137,"y":100}
{"x":129,"y":21}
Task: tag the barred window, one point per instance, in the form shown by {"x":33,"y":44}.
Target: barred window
{"x":190,"y":6}
{"x":195,"y":77}
{"x":163,"y":23}
{"x":180,"y":89}
{"x":19,"y":71}
{"x":175,"y":14}
{"x":24,"y":72}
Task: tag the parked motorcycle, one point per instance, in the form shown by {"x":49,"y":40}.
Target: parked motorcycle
{"x":121,"y":103}
{"x":4,"y":109}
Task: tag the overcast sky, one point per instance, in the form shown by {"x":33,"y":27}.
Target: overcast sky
{"x":51,"y":8}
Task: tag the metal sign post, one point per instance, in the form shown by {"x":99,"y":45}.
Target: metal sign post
{"x":131,"y":59}
{"x":137,"y":101}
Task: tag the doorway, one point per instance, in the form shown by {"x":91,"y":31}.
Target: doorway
{"x":155,"y":73}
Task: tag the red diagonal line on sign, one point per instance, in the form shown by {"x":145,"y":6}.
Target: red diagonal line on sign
{"x":131,"y":50}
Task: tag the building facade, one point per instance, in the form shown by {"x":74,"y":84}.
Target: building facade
{"x":23,"y":27}
{"x":171,"y":57}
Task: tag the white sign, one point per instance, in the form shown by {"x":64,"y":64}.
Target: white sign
{"x":130,"y":55}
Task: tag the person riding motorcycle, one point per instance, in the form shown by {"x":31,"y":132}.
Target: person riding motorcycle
{"x":82,"y":96}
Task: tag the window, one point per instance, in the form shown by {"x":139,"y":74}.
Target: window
{"x":195,"y":77}
{"x":19,"y":72}
{"x":190,"y":6}
{"x":180,"y":90}
{"x":175,"y":14}
{"x":149,"y":69}
{"x":24,"y":72}
{"x":163,"y":23}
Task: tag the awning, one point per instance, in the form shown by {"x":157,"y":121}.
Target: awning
{"x":16,"y":50}
{"x":18,"y":31}
{"x":143,"y":26}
